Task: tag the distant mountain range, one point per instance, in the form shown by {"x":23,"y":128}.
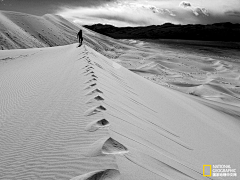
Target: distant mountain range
{"x":213,"y":32}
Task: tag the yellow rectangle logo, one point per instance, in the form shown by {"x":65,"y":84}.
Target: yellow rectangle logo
{"x":207,"y":170}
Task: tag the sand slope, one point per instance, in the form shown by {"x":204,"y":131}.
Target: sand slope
{"x":204,"y":69}
{"x":71,"y":113}
{"x":22,"y":31}
{"x":18,"y":30}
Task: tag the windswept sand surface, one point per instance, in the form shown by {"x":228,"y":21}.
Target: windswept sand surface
{"x":210,"y":70}
{"x":19,"y":31}
{"x":71,"y":113}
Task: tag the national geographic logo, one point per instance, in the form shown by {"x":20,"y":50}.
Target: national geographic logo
{"x":219,"y":171}
{"x":207,"y":170}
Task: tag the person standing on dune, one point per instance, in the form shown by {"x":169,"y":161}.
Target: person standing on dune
{"x":80,"y":37}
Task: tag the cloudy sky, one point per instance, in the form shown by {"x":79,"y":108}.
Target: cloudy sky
{"x":132,"y":12}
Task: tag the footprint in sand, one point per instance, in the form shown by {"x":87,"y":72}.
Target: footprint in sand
{"x":94,"y":91}
{"x":90,"y":86}
{"x":91,"y":80}
{"x":98,"y":124}
{"x":106,"y":146}
{"x":107,"y":174}
{"x":96,"y":98}
{"x":95,"y":110}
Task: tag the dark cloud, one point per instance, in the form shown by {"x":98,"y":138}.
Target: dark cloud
{"x":140,"y":15}
{"x":117,"y":18}
{"x":197,"y":11}
{"x":233,"y":13}
{"x":41,"y":7}
{"x":87,"y":3}
{"x":130,"y":12}
{"x":216,"y":18}
{"x":120,"y":14}
{"x":200,"y":11}
{"x":135,"y":12}
{"x":185,"y":4}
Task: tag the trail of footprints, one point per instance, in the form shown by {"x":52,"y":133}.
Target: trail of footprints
{"x":104,"y":146}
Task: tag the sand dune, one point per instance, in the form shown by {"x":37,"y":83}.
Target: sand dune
{"x":174,"y":64}
{"x":72,"y":113}
{"x":182,"y":67}
{"x":20,"y":31}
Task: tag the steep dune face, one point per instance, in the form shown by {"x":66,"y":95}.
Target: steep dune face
{"x":20,"y":30}
{"x":71,"y":113}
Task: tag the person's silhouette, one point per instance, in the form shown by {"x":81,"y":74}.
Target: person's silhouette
{"x":80,"y":37}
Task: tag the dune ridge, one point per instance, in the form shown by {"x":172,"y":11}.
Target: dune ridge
{"x":209,"y":70}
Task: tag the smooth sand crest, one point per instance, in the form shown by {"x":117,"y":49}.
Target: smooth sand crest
{"x":56,"y":125}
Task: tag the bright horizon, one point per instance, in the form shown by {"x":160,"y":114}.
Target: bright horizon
{"x":132,"y":12}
